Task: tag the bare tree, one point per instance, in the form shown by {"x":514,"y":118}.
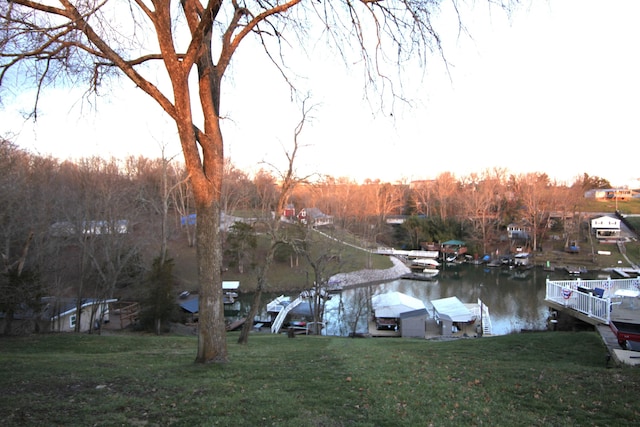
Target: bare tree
{"x":480,"y":203}
{"x":324,"y":256}
{"x":89,"y":40}
{"x":534,"y":195}
{"x":236,"y":188}
{"x":288,"y":181}
{"x":445,"y":188}
{"x":182,"y":196}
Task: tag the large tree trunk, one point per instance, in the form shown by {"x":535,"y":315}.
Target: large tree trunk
{"x":212,"y":346}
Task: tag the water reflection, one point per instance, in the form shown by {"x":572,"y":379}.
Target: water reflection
{"x":515,"y":302}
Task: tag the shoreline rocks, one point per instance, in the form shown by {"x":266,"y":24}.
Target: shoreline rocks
{"x":360,"y":277}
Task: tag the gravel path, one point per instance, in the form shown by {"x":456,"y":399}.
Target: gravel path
{"x":353,"y":278}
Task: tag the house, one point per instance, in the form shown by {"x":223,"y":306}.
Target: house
{"x":396,"y":219}
{"x":91,"y":228}
{"x":314,"y":217}
{"x":606,"y":227}
{"x":604,"y":194}
{"x":61,"y":315}
{"x":517,"y":232}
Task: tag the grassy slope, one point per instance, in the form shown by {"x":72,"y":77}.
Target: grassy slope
{"x":283,"y":276}
{"x":552,"y":378}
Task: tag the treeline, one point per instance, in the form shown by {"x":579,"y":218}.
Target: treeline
{"x":88,"y":227}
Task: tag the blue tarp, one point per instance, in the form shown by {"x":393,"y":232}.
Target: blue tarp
{"x":189,"y":219}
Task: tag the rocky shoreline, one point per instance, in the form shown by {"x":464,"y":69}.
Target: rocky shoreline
{"x":360,"y":277}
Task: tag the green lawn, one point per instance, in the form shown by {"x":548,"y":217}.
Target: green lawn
{"x":536,"y":379}
{"x":626,"y":207}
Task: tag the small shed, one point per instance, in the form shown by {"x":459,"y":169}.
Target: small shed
{"x":606,"y":227}
{"x":413,"y":324}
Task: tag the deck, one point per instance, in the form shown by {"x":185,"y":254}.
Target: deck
{"x":620,"y":301}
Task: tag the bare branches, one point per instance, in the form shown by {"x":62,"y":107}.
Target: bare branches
{"x":52,"y":42}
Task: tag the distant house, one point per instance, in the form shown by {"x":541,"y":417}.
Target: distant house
{"x":517,"y":232}
{"x":61,"y":315}
{"x":396,"y":219}
{"x":604,"y":194}
{"x":289,"y":211}
{"x":90,"y":228}
{"x":314,"y":217}
{"x":606,"y":227}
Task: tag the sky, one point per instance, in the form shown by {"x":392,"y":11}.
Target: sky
{"x":553,"y":88}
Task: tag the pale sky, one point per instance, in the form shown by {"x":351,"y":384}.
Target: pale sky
{"x":553,"y":89}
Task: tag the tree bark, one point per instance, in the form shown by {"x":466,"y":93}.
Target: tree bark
{"x":212,"y":346}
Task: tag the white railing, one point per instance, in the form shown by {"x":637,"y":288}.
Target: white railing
{"x":278,"y":304}
{"x":481,"y":312}
{"x":279,"y":320}
{"x":578,"y":295}
{"x":487,"y":326}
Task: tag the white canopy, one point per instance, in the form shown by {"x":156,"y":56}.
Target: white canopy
{"x":392,"y":304}
{"x":230,"y":285}
{"x":453,"y":308}
{"x":426,"y":262}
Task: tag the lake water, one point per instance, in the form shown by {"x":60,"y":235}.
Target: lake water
{"x":515,"y":302}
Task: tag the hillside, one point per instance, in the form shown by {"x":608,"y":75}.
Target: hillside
{"x":535,"y":379}
{"x":295,"y":274}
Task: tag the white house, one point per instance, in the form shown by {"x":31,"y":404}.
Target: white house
{"x":314,"y":217}
{"x":515,"y":231}
{"x":606,"y":227}
{"x":60,"y":315}
{"x":609,"y":194}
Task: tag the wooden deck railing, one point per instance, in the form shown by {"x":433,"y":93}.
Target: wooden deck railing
{"x":128,"y":312}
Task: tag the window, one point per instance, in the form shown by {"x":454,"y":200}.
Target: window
{"x":72,"y":321}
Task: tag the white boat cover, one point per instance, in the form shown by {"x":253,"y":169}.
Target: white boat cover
{"x":392,"y":304}
{"x":230,"y":285}
{"x":453,"y":308}
{"x":426,"y":262}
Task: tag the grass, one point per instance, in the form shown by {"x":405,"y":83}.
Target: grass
{"x":283,"y":276}
{"x":551,"y":378}
{"x":626,"y":207}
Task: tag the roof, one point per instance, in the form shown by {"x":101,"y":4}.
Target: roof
{"x":413,"y":313}
{"x":452,"y":308}
{"x":393,"y":304}
{"x":315,"y":213}
{"x":453,"y":243}
{"x":605,"y":222}
{"x":190,"y":306}
{"x":58,"y":307}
